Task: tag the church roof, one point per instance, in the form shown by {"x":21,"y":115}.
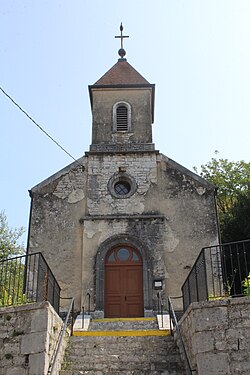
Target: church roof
{"x":122,"y":73}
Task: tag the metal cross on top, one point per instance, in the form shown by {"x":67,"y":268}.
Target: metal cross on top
{"x":121,"y":51}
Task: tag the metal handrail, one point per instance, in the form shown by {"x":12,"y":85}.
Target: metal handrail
{"x":218,"y":271}
{"x":83,"y":307}
{"x":61,"y":335}
{"x":174,"y":324}
{"x":160,"y":307}
{"x":26,"y":279}
{"x":21,"y":256}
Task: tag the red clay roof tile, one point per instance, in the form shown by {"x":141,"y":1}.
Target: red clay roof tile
{"x":122,"y":73}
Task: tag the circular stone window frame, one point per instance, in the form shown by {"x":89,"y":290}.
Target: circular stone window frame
{"x":122,"y":177}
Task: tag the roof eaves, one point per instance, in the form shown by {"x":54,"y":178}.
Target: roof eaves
{"x":191,"y":174}
{"x":57,"y":175}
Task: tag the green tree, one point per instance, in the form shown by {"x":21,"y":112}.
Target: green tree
{"x":11,"y":272}
{"x":9,"y":239}
{"x":232,"y":180}
{"x":236,"y":225}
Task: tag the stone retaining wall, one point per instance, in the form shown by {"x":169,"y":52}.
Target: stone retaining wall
{"x":28,"y":336}
{"x":217,"y":336}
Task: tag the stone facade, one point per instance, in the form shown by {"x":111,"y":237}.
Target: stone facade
{"x":28,"y":335}
{"x":216,"y":336}
{"x":77,"y":216}
{"x":170,"y":216}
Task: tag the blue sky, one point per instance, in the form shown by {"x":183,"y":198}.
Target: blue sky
{"x":197,"y":53}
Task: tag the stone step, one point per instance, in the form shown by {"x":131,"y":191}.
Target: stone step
{"x":122,"y":327}
{"x":114,"y":345}
{"x":125,"y":362}
{"x":123,"y":324}
{"x":124,"y":355}
{"x":124,"y":372}
{"x":151,"y":369}
{"x":123,"y":346}
{"x":117,"y":351}
{"x":145,"y":371}
{"x":131,"y":341}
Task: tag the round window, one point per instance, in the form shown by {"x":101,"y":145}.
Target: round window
{"x":121,"y":185}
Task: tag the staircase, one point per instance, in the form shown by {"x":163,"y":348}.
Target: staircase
{"x":123,"y":346}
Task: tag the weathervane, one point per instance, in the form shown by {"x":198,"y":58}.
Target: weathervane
{"x":121,"y":51}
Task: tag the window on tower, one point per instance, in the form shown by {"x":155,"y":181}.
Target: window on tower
{"x":122,"y":117}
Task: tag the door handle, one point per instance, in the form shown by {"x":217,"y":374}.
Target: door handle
{"x":125,"y":298}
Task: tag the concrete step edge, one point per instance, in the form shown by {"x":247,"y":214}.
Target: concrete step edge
{"x":123,"y":319}
{"x":148,"y":332}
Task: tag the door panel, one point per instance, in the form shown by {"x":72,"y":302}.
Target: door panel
{"x":134,"y":291}
{"x":114,"y":307}
{"x":134,"y":310}
{"x":113,"y":281}
{"x":133,"y":279}
{"x":124,"y":288}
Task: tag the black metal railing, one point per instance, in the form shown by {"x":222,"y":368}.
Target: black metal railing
{"x":28,"y":278}
{"x":174,"y":327}
{"x":86,"y":300}
{"x":219,"y":271}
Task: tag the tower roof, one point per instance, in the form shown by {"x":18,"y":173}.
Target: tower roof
{"x":122,"y":73}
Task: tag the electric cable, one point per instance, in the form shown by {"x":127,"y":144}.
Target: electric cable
{"x":39,"y":126}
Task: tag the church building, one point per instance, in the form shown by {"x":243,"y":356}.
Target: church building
{"x":124,"y":221}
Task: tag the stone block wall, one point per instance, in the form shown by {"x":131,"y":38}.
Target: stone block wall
{"x":169,"y":215}
{"x":217,"y":336}
{"x":58,"y":203}
{"x":28,"y":335}
{"x":141,"y":169}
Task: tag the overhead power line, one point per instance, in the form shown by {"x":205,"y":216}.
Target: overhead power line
{"x":39,"y":126}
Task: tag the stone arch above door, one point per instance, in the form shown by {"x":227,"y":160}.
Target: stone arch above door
{"x":99,"y":268}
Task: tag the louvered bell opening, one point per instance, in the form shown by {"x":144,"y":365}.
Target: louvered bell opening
{"x":122,"y":118}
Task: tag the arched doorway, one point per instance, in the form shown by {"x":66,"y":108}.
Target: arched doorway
{"x":123,"y":285}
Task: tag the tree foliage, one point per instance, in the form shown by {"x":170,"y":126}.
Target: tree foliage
{"x":11,"y":272}
{"x":9,"y":239}
{"x":236,"y":224}
{"x":232,"y":180}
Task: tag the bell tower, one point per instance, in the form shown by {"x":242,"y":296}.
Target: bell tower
{"x":122,"y":103}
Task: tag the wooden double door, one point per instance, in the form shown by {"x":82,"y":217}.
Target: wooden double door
{"x":123,"y":283}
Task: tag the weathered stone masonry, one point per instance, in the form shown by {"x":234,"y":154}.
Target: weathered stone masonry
{"x":168,"y":214}
{"x":57,"y":205}
{"x":28,"y":335}
{"x":82,"y":224}
{"x":101,"y":168}
{"x":216,"y":336}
